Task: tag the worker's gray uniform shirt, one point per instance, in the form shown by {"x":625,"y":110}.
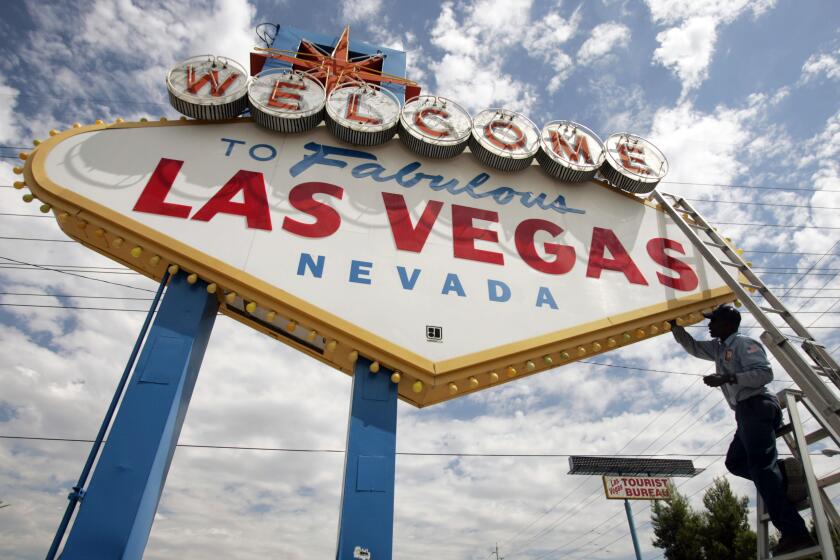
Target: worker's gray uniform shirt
{"x":739,"y":355}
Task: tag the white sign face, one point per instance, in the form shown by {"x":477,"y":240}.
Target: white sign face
{"x":435,"y":267}
{"x":637,"y":487}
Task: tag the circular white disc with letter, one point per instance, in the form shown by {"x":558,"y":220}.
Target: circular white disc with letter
{"x":362,"y":114}
{"x":570,"y":151}
{"x":633,"y":164}
{"x":286,"y":100}
{"x":208,"y":87}
{"x":503,"y":139}
{"x":435,"y":126}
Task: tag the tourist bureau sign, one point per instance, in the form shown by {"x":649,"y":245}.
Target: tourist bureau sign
{"x":637,"y":487}
{"x":447,"y":269}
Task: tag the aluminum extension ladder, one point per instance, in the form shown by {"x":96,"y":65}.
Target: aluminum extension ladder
{"x":812,"y":369}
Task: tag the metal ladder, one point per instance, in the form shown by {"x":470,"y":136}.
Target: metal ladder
{"x":812,"y":369}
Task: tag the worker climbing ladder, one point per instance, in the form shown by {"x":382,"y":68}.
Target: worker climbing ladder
{"x":812,"y":369}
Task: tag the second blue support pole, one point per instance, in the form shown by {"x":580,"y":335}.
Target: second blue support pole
{"x":366,"y":524}
{"x":632,"y":529}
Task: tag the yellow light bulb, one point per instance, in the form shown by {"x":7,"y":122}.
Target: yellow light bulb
{"x":119,"y":120}
{"x":173,"y":269}
{"x":395,"y":377}
{"x":511,"y":371}
{"x":312,"y":336}
{"x":117,"y":242}
{"x":230,"y":297}
{"x":473,"y":382}
{"x":611,"y":342}
{"x":81,"y":224}
{"x":353,"y":356}
{"x":36,"y":142}
{"x":374,"y":367}
{"x":331,"y":345}
{"x":99,"y":121}
{"x":270,"y":316}
{"x":251,"y":307}
{"x":45,"y":208}
{"x":494,"y":377}
{"x":640,"y":333}
{"x":291,"y":326}
{"x":596,"y":346}
{"x":64,"y":216}
{"x":211,"y":288}
{"x":28,"y":197}
{"x":19,"y":185}
{"x":23,"y":155}
{"x":144,"y":119}
{"x":581,"y":351}
{"x":136,"y":252}
{"x":548,"y":360}
{"x":99,"y":232}
{"x":530,"y":366}
{"x":53,"y":132}
{"x":192,"y":278}
{"x":17,"y":170}
{"x":417,"y":386}
{"x":626,"y":337}
{"x":452,"y":388}
{"x":163,"y":119}
{"x":666,"y":326}
{"x":564,"y":355}
{"x":155,"y":260}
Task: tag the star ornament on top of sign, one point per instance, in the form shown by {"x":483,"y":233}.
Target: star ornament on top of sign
{"x":336,"y":67}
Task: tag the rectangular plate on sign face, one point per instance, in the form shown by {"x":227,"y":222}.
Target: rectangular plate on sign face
{"x":336,"y":249}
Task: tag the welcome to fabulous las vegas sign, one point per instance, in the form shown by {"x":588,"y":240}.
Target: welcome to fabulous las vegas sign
{"x":448,"y":258}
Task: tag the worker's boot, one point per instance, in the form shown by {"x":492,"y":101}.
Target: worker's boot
{"x":796,"y":486}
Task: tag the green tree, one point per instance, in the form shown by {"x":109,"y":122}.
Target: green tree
{"x":677,"y":528}
{"x":721,"y":532}
{"x":726,"y":528}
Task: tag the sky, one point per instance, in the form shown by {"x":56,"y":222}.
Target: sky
{"x":742,"y":97}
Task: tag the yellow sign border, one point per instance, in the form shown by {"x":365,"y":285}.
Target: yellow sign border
{"x":422,"y":382}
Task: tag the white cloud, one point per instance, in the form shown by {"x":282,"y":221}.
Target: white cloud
{"x":471,"y":73}
{"x":687,"y":46}
{"x":360,"y":10}
{"x":819,"y":64}
{"x":9,"y":130}
{"x":602,"y":40}
{"x":687,"y":50}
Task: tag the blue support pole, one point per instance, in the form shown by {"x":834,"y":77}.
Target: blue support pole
{"x":632,"y":529}
{"x":116,"y":512}
{"x":366,"y":525}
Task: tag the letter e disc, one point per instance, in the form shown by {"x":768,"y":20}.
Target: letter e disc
{"x":570,"y":152}
{"x":504,"y":140}
{"x":208,"y":87}
{"x":633,"y":164}
{"x":435,"y":127}
{"x":286,"y":100}
{"x":362,"y":114}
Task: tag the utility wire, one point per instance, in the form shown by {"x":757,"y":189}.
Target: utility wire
{"x":77,"y":275}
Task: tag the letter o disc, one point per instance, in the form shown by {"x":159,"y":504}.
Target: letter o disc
{"x":632,"y":163}
{"x":362,"y":114}
{"x":286,"y":100}
{"x":570,"y":151}
{"x":208,"y":87}
{"x":504,"y":140}
{"x":435,"y":127}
